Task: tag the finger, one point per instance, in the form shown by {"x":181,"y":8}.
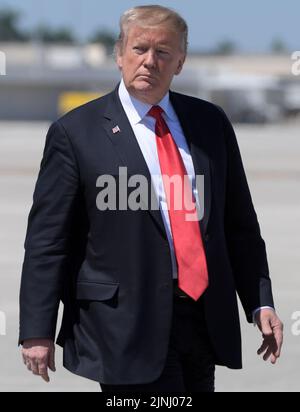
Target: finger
{"x":34,"y":367}
{"x":263,"y":347}
{"x":24,"y":358}
{"x":277,"y":353}
{"x":43,"y":369}
{"x":261,"y":350}
{"x":273,"y":359}
{"x":43,"y":372}
{"x":51,"y":362}
{"x":266,"y":327}
{"x":267,"y":354}
{"x":46,"y":378}
{"x":264,"y":351}
{"x":278,"y":335}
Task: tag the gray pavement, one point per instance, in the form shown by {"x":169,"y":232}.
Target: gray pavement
{"x":271,"y":157}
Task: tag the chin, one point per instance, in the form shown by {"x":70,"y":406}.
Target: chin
{"x":144,"y":85}
{"x":144,"y":91}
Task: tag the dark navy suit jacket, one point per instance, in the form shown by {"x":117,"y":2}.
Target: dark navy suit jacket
{"x":112,"y":269}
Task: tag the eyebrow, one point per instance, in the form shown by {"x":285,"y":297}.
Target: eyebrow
{"x":145,"y":44}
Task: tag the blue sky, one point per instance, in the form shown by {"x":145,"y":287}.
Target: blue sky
{"x":252,"y":25}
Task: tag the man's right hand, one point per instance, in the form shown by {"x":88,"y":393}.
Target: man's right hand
{"x":38,"y":356}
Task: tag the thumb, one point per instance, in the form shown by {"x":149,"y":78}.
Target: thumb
{"x":51,"y":361}
{"x":266,"y":328}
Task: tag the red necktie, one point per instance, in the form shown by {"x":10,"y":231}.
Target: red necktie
{"x":188,"y":245}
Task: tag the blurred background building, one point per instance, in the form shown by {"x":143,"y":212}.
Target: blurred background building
{"x":49,"y":71}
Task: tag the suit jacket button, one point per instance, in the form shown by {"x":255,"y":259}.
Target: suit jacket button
{"x":206,"y":237}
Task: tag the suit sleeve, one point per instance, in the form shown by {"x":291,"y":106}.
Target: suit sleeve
{"x":245,"y":245}
{"x":48,"y":237}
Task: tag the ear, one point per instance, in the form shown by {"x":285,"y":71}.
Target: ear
{"x":119,"y":59}
{"x":180,"y":65}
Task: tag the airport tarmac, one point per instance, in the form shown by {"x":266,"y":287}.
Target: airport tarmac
{"x":271,"y":156}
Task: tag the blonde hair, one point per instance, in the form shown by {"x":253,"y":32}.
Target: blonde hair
{"x":150,"y":16}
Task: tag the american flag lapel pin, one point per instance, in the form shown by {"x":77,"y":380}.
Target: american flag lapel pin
{"x":116,"y":129}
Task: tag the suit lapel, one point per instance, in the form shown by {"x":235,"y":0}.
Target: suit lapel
{"x":125,"y":143}
{"x":200,"y":158}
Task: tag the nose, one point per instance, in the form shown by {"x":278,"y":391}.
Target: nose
{"x":150,"y":60}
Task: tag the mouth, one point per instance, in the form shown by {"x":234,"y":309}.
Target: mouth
{"x":146,"y":76}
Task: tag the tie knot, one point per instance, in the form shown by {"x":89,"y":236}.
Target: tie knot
{"x":155,"y":112}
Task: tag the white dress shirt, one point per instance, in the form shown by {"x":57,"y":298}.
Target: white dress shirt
{"x":143,"y":127}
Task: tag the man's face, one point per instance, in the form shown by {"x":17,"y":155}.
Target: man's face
{"x":149,"y":59}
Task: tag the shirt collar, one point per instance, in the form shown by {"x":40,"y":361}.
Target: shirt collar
{"x":137,"y":110}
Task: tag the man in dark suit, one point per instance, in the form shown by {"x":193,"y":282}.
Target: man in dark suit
{"x":149,"y":292}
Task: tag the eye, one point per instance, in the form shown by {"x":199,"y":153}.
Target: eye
{"x":139,"y":49}
{"x":162,"y":52}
